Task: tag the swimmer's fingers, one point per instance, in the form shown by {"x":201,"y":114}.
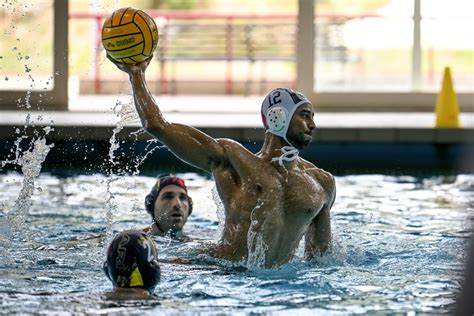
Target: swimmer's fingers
{"x":119,"y":65}
{"x":144,"y":64}
{"x":141,"y":66}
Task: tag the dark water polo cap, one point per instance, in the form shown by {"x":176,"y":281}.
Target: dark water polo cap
{"x":132,"y":261}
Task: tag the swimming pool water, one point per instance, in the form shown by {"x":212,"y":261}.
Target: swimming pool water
{"x":399,"y":245}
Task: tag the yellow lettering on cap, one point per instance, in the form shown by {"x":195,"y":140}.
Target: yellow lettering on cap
{"x":136,"y":278}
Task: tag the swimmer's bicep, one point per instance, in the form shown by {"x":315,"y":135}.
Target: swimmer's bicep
{"x":190,"y":145}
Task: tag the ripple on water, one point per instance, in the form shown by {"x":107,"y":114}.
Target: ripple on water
{"x":398,"y":247}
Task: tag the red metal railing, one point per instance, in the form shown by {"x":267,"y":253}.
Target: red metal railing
{"x":168,"y":16}
{"x":228,"y":20}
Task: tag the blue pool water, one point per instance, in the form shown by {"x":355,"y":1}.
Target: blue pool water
{"x":399,"y":245}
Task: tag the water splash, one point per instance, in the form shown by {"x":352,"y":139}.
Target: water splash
{"x":220,"y":210}
{"x":256,"y":246}
{"x":14,"y":227}
{"x":127,"y":114}
{"x":257,"y":257}
{"x":137,"y":162}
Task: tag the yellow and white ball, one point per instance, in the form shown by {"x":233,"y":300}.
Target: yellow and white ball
{"x":129,"y":35}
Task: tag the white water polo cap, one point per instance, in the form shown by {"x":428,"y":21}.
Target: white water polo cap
{"x":278,"y":108}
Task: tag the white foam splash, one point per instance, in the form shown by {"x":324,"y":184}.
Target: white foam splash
{"x":220,"y":210}
{"x":14,"y":227}
{"x":257,"y":248}
{"x":127,"y":114}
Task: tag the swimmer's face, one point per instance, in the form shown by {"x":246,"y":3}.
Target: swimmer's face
{"x":172,"y":208}
{"x":301,"y":126}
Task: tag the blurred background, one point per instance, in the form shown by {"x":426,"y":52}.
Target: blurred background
{"x":246,"y":47}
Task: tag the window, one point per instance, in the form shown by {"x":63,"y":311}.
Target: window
{"x":386,"y":54}
{"x":33,"y":54}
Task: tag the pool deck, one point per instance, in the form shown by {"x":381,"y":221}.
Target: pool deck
{"x":239,"y":118}
{"x":91,"y":118}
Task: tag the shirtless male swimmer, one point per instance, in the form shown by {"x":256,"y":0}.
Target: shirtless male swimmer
{"x":272,"y":198}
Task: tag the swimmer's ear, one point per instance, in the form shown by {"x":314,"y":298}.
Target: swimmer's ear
{"x":149,"y":200}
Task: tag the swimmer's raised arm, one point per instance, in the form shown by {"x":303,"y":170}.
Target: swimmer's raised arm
{"x":186,"y":142}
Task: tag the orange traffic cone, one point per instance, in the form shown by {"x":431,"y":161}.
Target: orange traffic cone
{"x":447,"y":107}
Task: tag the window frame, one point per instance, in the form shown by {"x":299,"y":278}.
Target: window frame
{"x":57,"y":98}
{"x":414,"y":101}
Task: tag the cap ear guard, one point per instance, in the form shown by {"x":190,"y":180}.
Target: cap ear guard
{"x":149,"y":204}
{"x":277,"y":119}
{"x":105,"y":268}
{"x":278,"y":107}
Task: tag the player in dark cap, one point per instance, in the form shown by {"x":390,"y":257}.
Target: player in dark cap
{"x":132,"y":265}
{"x":169,"y":206}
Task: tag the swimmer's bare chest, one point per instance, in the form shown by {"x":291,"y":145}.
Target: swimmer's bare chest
{"x":294,"y":196}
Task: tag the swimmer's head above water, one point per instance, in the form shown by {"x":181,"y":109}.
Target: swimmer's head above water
{"x":278,"y":109}
{"x":169,"y":205}
{"x":132,"y":262}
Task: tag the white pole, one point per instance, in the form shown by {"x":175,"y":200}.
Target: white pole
{"x":416,"y":53}
{"x":305,"y":48}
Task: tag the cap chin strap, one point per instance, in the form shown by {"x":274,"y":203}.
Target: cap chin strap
{"x":289,"y":153}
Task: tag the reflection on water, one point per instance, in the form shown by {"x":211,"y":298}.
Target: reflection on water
{"x":398,"y":246}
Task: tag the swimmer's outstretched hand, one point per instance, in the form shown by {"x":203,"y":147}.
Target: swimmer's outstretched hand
{"x":140,"y":67}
